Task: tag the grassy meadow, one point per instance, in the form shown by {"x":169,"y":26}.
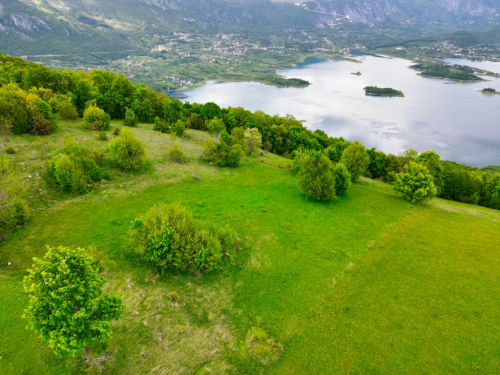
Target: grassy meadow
{"x":369,"y":284}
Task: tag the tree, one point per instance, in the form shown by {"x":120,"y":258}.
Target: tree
{"x":96,"y":119}
{"x":378,"y":163}
{"x":216,"y":126}
{"x":254,"y":140}
{"x":342,"y":179}
{"x":67,"y":307}
{"x":224,"y":153}
{"x":316,"y":178}
{"x":130,"y":118}
{"x":178,"y":128}
{"x":415,"y":183}
{"x":432,"y":161}
{"x":356,"y":160}
{"x":127,"y":151}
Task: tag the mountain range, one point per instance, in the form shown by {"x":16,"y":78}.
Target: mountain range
{"x":80,"y":26}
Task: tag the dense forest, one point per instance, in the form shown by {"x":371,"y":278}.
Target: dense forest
{"x":454,"y":72}
{"x":33,"y":98}
{"x":374,"y":90}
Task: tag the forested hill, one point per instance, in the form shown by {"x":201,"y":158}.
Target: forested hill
{"x":76,"y":26}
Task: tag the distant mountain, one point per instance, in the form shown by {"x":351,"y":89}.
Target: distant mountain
{"x":79,"y":26}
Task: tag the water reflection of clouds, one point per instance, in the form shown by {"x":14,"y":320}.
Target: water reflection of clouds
{"x":446,"y":118}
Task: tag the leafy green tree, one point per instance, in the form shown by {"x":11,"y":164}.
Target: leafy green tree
{"x":432,"y":161}
{"x":316,"y":178}
{"x":179,"y":128}
{"x":96,"y":119}
{"x":334,"y":151}
{"x":342,"y":179}
{"x":378,"y":163}
{"x":210,"y":110}
{"x":216,"y":126}
{"x":223,"y":153}
{"x":121,"y":90}
{"x":67,"y":307}
{"x":415,"y":184}
{"x":253,"y":139}
{"x":127,"y":150}
{"x":356,"y":160}
{"x":130,"y":118}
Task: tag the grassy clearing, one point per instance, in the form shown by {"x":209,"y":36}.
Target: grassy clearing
{"x":368,"y":284}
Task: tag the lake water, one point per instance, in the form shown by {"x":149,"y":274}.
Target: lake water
{"x":453,"y":119}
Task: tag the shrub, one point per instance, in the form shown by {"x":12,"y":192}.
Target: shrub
{"x":298,"y":157}
{"x":74,"y":167}
{"x":161,"y":125}
{"x":176,"y":155}
{"x":224,"y":153}
{"x":178,"y":128}
{"x":130,"y":118}
{"x":377,"y":168}
{"x":254,"y":140}
{"x":432,"y":161}
{"x":174,"y":297}
{"x":216,"y":126}
{"x":355,"y":159}
{"x":169,"y":237}
{"x":102,"y":136}
{"x":10,"y":150}
{"x":67,"y":111}
{"x":415,"y":183}
{"x":96,"y":119}
{"x":316,"y":178}
{"x":116,"y":131}
{"x":67,"y":307}
{"x":41,"y":114}
{"x":342,"y":179}
{"x":127,"y":151}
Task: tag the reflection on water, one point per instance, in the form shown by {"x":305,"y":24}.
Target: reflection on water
{"x":452,"y":119}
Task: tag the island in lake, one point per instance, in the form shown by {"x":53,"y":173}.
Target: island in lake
{"x":356,"y":74}
{"x":489,"y":91}
{"x":379,"y":91}
{"x":285,"y":82}
{"x":454,"y":72}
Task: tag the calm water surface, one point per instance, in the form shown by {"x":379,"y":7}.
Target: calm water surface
{"x":452,"y":119}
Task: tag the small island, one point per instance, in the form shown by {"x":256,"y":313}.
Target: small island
{"x":459,"y":73}
{"x":356,"y":74}
{"x":378,"y":91}
{"x":489,"y":91}
{"x":285,"y":82}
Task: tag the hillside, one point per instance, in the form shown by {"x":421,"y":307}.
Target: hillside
{"x":369,"y":283}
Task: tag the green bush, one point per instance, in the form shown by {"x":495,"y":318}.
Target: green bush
{"x":342,"y":179}
{"x":316,"y":178}
{"x":356,"y":160}
{"x":415,"y":183}
{"x":127,"y":151}
{"x":67,"y":111}
{"x":130,"y":118}
{"x":102,"y":136}
{"x":116,"y":131}
{"x":216,"y":126}
{"x":66,"y":305}
{"x":169,"y":237}
{"x":74,"y":167}
{"x":432,"y":161}
{"x":224,"y":153}
{"x":178,"y":128}
{"x":265,"y":349}
{"x":10,"y":150}
{"x":96,"y":119}
{"x":176,"y":155}
{"x":161,"y":125}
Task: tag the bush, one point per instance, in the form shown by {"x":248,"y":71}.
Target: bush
{"x":40,"y":114}
{"x":216,"y":126}
{"x":130,"y":118}
{"x":355,"y":159}
{"x":224,"y":153}
{"x":102,"y":136}
{"x":161,"y":125}
{"x":116,"y":131}
{"x":179,"y":128}
{"x":377,"y":168}
{"x":96,"y":119}
{"x":67,"y":111}
{"x":66,"y":306}
{"x":176,"y":155}
{"x":74,"y":167}
{"x":10,"y":150}
{"x":254,"y":140}
{"x":265,"y":349}
{"x":432,"y":161}
{"x":169,"y":237}
{"x":342,"y":179}
{"x":316,"y":178}
{"x":127,"y":151}
{"x":415,"y":183}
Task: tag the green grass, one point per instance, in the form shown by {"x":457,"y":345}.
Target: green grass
{"x":368,"y":284}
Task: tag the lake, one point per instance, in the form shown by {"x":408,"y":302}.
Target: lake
{"x":452,"y":119}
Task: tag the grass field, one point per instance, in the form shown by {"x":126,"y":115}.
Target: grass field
{"x":368,"y":284}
